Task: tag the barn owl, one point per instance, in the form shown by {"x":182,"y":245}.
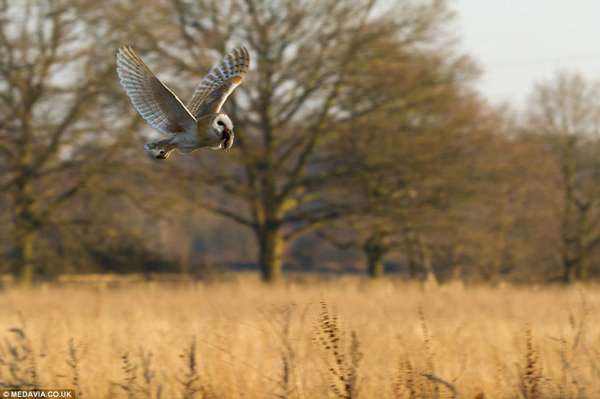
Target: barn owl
{"x":200,"y":123}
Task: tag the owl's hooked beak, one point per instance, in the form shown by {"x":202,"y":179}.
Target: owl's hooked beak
{"x":227,"y":139}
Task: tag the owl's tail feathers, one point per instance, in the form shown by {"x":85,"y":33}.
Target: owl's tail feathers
{"x":163,"y":147}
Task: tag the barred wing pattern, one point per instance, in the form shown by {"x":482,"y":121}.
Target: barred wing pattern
{"x":218,"y":84}
{"x":158,"y":105}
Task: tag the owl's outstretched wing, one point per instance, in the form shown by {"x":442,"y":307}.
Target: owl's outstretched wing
{"x":158,"y":105}
{"x":219,"y":82}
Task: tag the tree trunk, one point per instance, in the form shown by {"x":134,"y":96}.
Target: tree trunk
{"x":569,"y":275}
{"x":271,"y":251}
{"x":374,"y":250}
{"x":568,"y":251}
{"x":23,"y":260}
{"x":500,"y":239}
{"x":375,"y":263}
{"x":25,"y":226}
{"x":411,"y":254}
{"x":426,"y":260}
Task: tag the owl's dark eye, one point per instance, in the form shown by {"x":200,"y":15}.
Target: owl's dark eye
{"x":220,"y":123}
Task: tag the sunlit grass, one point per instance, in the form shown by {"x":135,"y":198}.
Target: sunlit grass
{"x":241,"y":339}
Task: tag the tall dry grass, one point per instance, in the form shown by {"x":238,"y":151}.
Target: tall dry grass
{"x":346,"y":338}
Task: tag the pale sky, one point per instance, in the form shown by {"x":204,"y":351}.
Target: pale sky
{"x":519,"y":42}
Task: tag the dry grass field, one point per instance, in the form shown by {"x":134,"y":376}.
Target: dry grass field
{"x":346,"y":338}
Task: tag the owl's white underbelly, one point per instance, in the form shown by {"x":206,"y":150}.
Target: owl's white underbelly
{"x":189,"y":140}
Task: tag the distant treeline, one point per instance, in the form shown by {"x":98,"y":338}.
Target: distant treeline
{"x":361,"y":145}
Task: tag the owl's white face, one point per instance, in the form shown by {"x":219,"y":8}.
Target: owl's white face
{"x":222,"y":123}
{"x":224,"y":129}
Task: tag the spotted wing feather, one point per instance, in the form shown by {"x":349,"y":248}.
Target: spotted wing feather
{"x":158,"y":105}
{"x":219,"y":83}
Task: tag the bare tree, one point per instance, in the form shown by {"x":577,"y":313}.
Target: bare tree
{"x":567,"y":111}
{"x":315,"y":67}
{"x":404,"y":184}
{"x":54,"y":136}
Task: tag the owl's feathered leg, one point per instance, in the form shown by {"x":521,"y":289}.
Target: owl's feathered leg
{"x":164,"y":147}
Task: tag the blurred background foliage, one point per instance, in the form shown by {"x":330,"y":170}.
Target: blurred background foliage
{"x":361,"y":146}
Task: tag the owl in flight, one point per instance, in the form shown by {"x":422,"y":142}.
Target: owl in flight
{"x":195,"y":125}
